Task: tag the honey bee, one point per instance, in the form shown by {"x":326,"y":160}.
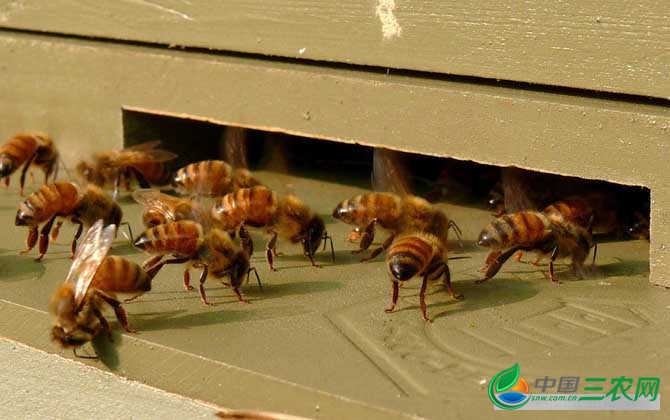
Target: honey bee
{"x":421,"y":254}
{"x":287,"y":217}
{"x":212,"y":178}
{"x":552,"y":236}
{"x":63,"y":199}
{"x":160,"y":208}
{"x":395,"y":214}
{"x":30,"y":150}
{"x":143,"y":162}
{"x":94,"y":279}
{"x":213,"y":251}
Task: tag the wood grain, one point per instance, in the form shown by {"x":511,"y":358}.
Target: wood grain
{"x":588,"y":44}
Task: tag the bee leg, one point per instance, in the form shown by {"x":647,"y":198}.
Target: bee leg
{"x":518,"y":256}
{"x":22,"y":180}
{"x":329,"y":238}
{"x":6,"y":182}
{"x":117,"y":182}
{"x":246,"y":241}
{"x":309,"y":255}
{"x":258,"y":279}
{"x":31,"y":240}
{"x":386,"y":244}
{"x":104,"y":323}
{"x":132,"y":298}
{"x":367,"y":238}
{"x":56,"y":230}
{"x":120,"y":313}
{"x":139,"y":177}
{"x":239,"y":295}
{"x":44,"y":237}
{"x":495,"y":261}
{"x":268,"y":250}
{"x":595,"y":252}
{"x":422,"y":298}
{"x":77,"y":234}
{"x":447,"y":282}
{"x":201,"y":288}
{"x":32,"y":178}
{"x":457,"y":231}
{"x":554,"y":254}
{"x":394,"y":298}
{"x":187,"y":279}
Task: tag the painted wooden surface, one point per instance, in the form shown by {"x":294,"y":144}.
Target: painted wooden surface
{"x":78,"y":90}
{"x":589,"y":44}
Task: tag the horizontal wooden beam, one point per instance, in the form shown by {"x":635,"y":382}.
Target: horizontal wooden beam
{"x":618,"y":47}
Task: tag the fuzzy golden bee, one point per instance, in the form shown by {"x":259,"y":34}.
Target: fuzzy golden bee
{"x":260,"y":207}
{"x":28,"y":150}
{"x":549,"y":236}
{"x":213,"y":251}
{"x":160,"y":208}
{"x":212,"y":178}
{"x":393,"y":213}
{"x":418,"y":254}
{"x":143,"y":162}
{"x":95,"y":279}
{"x":61,"y":200}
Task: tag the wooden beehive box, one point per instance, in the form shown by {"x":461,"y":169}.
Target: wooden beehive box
{"x":575,"y":88}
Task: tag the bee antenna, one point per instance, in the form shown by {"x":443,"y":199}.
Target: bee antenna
{"x":130,"y":231}
{"x":67,"y":171}
{"x":325,"y":238}
{"x":258,"y":279}
{"x":457,"y":231}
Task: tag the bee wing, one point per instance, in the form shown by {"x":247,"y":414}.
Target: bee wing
{"x":160,"y":155}
{"x":90,"y":254}
{"x":150,"y":198}
{"x":389,"y":172}
{"x":149,"y":145}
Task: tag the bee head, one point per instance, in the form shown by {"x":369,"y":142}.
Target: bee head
{"x":6,"y":165}
{"x":403,"y":267}
{"x":86,"y":170}
{"x":314,"y":235}
{"x":237,"y":269}
{"x":68,"y":340}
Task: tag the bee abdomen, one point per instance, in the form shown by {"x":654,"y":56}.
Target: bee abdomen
{"x":413,"y":247}
{"x":59,"y":197}
{"x":206,"y":177}
{"x":117,"y":274}
{"x":254,"y":206}
{"x":183,"y":237}
{"x":20,"y":147}
{"x":518,"y":229}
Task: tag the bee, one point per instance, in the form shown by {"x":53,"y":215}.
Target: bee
{"x":28,"y":150}
{"x":287,"y":217}
{"x":212,"y":178}
{"x":160,"y":208}
{"x":394,"y":213}
{"x":418,"y":254}
{"x":144,"y":162}
{"x":548,"y":235}
{"x":94,"y":279}
{"x":213,"y":251}
{"x":63,"y":199}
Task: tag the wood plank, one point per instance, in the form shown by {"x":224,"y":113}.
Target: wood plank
{"x":78,"y":90}
{"x":617,"y":47}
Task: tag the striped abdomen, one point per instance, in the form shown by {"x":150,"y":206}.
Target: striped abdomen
{"x":360,"y":210}
{"x":180,"y":238}
{"x":409,"y":256}
{"x":208,"y":177}
{"x":523,"y":228}
{"x":156,"y":173}
{"x":18,"y":150}
{"x":118,"y":275}
{"x":57,"y":198}
{"x":255,"y":206}
{"x":573,"y":209}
